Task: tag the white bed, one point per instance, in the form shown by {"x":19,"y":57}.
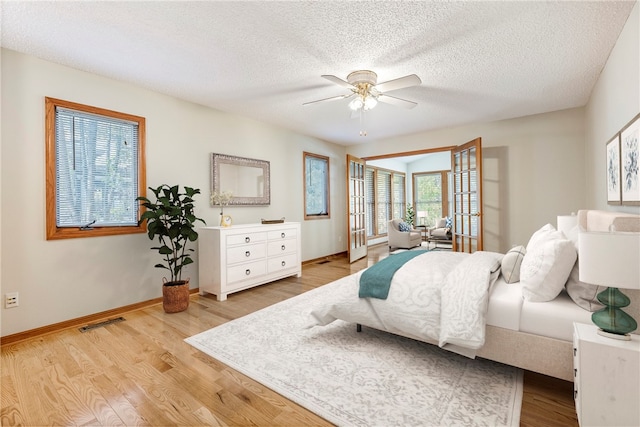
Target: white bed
{"x":519,"y":331}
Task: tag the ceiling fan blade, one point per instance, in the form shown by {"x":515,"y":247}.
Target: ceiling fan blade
{"x":398,"y":102}
{"x":333,"y":98}
{"x":338,"y":81}
{"x":399,"y":83}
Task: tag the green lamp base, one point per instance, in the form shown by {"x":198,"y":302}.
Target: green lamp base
{"x":611,"y":319}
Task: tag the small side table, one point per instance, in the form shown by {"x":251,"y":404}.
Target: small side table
{"x":423,"y":231}
{"x":607,"y":378}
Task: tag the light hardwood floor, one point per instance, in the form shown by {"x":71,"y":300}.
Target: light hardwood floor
{"x":140,"y":372}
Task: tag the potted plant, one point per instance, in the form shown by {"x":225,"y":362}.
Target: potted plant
{"x":410,"y":216}
{"x":171,"y":220}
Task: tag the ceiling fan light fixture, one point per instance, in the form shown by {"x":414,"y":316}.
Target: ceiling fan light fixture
{"x":357,"y":103}
{"x":370,"y":102}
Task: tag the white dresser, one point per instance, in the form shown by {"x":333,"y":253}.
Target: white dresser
{"x":243,"y":256}
{"x":607,"y":378}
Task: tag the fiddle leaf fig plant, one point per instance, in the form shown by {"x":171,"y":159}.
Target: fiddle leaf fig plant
{"x":410,"y":216}
{"x":170,"y":219}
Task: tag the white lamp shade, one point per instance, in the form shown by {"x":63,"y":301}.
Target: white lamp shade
{"x":610,"y":259}
{"x":566,"y":223}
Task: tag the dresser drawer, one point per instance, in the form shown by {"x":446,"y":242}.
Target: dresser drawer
{"x":287,"y":233}
{"x":246,"y":271}
{"x":282,"y":247}
{"x":246,"y":238}
{"x":284,"y":262}
{"x":245,"y":253}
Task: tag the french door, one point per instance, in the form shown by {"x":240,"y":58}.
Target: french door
{"x":466,"y":168}
{"x":356,"y":203}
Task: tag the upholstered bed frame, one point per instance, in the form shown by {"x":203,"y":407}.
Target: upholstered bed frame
{"x":542,"y":340}
{"x":551,"y":356}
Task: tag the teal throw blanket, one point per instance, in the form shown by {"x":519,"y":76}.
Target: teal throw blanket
{"x":376,"y":280}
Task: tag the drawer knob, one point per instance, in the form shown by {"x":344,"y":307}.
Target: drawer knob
{"x":247,"y":272}
{"x":575,"y":350}
{"x":247,"y":254}
{"x":282,"y":235}
{"x":247,"y":239}
{"x":575,"y":373}
{"x":575,"y":394}
{"x":284,"y":263}
{"x":283,"y":247}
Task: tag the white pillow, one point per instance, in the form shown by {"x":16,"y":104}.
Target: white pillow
{"x":546,"y":268}
{"x":545,"y":233}
{"x":511,"y":263}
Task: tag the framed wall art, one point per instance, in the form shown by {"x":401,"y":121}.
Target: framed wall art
{"x":614,"y":194}
{"x":629,"y":157}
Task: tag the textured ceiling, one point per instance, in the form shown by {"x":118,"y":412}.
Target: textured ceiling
{"x":478,"y":61}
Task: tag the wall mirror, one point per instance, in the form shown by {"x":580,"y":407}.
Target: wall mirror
{"x":247,"y":179}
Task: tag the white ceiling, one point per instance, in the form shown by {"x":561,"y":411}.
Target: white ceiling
{"x":479,"y":61}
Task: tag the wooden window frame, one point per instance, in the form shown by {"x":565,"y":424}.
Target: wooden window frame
{"x":53,"y":232}
{"x":326,"y":215}
{"x":444,"y":189}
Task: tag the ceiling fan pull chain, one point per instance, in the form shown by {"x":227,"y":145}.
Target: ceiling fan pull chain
{"x":362,"y":122}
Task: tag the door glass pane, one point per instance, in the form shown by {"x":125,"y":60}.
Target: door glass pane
{"x":472,"y":158}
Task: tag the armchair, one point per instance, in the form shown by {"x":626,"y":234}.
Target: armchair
{"x":402,"y":239}
{"x":441,"y":232}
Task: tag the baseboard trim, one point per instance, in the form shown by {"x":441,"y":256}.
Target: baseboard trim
{"x":81,"y":321}
{"x":324,"y":258}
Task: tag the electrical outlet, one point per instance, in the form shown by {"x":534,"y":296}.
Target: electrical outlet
{"x":11,"y":300}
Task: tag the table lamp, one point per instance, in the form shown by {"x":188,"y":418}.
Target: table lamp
{"x":611,"y":259}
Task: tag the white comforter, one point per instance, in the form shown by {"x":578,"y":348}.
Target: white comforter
{"x":439,"y":297}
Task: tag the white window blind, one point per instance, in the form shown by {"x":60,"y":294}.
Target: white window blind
{"x":370,"y":188}
{"x":383,"y":189}
{"x":399,"y":203}
{"x":96,"y":170}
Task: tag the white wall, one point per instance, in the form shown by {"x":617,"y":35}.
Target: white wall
{"x":615,"y":100}
{"x":66,"y":279}
{"x":533,"y":169}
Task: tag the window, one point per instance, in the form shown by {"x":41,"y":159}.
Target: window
{"x":316,"y":186}
{"x":386,"y":198}
{"x":95,"y":170}
{"x":430,"y":196}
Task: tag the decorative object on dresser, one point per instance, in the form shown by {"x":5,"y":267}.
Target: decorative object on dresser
{"x":171,"y":219}
{"x":222,"y":199}
{"x":247,"y":255}
{"x":611,"y":259}
{"x":607,"y":378}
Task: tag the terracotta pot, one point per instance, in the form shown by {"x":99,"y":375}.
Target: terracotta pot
{"x":175,"y":296}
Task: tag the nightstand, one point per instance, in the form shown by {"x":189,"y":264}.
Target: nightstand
{"x":607,"y":378}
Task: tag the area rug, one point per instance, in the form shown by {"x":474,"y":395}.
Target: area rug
{"x":370,"y":378}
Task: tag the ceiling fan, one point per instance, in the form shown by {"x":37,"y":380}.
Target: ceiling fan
{"x":366,"y":91}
